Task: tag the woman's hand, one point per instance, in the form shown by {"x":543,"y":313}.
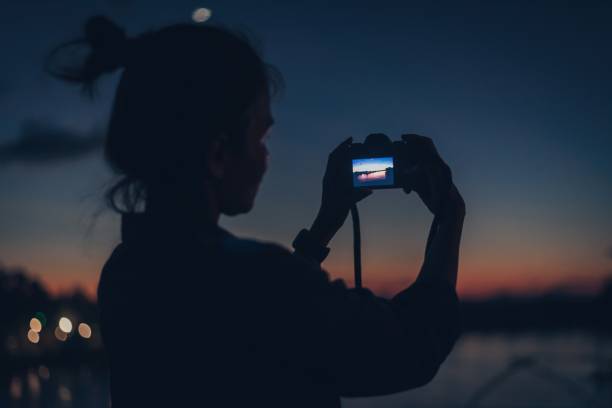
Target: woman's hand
{"x":338,"y":194}
{"x":431,"y":178}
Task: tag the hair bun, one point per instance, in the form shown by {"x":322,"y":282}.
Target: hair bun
{"x":108,"y":50}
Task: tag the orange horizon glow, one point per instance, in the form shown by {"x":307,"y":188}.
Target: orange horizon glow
{"x":63,"y":271}
{"x":469,"y":286}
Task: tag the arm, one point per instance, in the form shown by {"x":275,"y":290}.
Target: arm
{"x":382,"y":346}
{"x":442,"y":251}
{"x":378,"y":346}
{"x":361,"y":344}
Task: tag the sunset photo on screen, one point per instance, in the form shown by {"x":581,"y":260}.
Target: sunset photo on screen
{"x":373,"y":171}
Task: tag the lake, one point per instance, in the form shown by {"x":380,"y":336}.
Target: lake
{"x":524,"y":370}
{"x":569,"y":369}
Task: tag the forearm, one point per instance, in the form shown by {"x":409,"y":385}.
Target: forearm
{"x":442,"y":253}
{"x":323,"y":229}
{"x":311,"y":244}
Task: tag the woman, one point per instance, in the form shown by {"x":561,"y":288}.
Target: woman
{"x":191,"y":314}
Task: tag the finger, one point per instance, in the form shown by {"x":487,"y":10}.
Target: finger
{"x":442,"y":185}
{"x":410,"y":177}
{"x":421,"y":147}
{"x":443,"y":176}
{"x":411,"y":137}
{"x":433,"y":190}
{"x":347,"y":141}
{"x":342,"y":146}
{"x":418,"y":140}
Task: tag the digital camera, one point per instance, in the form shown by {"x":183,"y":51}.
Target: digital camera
{"x":377,"y":162}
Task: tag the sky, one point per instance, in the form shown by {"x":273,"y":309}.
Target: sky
{"x":516,"y":95}
{"x":372,"y":164}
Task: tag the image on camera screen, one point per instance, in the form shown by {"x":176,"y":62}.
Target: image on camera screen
{"x":373,"y":171}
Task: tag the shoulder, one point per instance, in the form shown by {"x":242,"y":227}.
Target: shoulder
{"x":278,"y":261}
{"x":251,"y":247}
{"x":113,"y":275}
{"x":259,"y":253}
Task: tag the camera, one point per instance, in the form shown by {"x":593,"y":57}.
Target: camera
{"x":377,"y":163}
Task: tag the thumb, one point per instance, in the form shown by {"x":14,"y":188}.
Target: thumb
{"x":410,"y":178}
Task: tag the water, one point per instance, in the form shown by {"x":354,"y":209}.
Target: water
{"x":550,"y":370}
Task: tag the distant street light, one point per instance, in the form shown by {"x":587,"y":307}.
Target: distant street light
{"x":33,"y":336}
{"x":35,"y":325}
{"x":65,"y":325}
{"x":84,"y":330}
{"x":200,"y":15}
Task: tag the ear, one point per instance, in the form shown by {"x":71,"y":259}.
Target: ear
{"x":217,"y":157}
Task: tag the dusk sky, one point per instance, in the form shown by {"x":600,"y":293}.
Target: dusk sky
{"x":516,"y":95}
{"x":370,"y":164}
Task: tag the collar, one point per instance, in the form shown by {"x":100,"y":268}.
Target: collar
{"x":171,"y":227}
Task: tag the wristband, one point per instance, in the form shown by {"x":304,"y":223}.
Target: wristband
{"x":305,"y":245}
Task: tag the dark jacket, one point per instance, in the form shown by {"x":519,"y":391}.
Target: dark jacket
{"x":194,"y":316}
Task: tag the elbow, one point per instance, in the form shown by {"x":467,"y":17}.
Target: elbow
{"x":431,"y":366}
{"x":427,"y":364}
{"x":423,"y":372}
{"x":425,"y":376}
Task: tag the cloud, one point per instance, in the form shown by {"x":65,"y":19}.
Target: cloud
{"x":40,"y":142}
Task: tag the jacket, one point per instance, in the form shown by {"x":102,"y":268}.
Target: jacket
{"x":192,"y":315}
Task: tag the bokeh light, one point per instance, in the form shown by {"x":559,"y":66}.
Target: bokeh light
{"x":200,"y":15}
{"x":65,"y":325}
{"x":15,"y":388}
{"x":33,"y":383}
{"x":33,"y":336}
{"x":60,"y":335}
{"x":84,"y":330}
{"x":64,"y":393}
{"x":43,"y":372}
{"x":35,"y":325}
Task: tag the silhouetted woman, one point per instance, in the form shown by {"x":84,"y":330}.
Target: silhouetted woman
{"x":192,"y":315}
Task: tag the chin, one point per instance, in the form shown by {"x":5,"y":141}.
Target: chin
{"x":239,"y":208}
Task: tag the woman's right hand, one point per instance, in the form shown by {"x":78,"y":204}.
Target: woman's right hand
{"x":431,"y":178}
{"x":338,"y":195}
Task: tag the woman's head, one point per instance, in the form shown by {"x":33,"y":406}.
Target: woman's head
{"x":191,"y":108}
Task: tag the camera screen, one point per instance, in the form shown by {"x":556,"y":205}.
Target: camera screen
{"x":373,"y":171}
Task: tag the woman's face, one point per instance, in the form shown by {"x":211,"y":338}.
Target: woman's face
{"x":247,"y":166}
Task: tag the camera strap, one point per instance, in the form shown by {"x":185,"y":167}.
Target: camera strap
{"x":356,"y":245}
